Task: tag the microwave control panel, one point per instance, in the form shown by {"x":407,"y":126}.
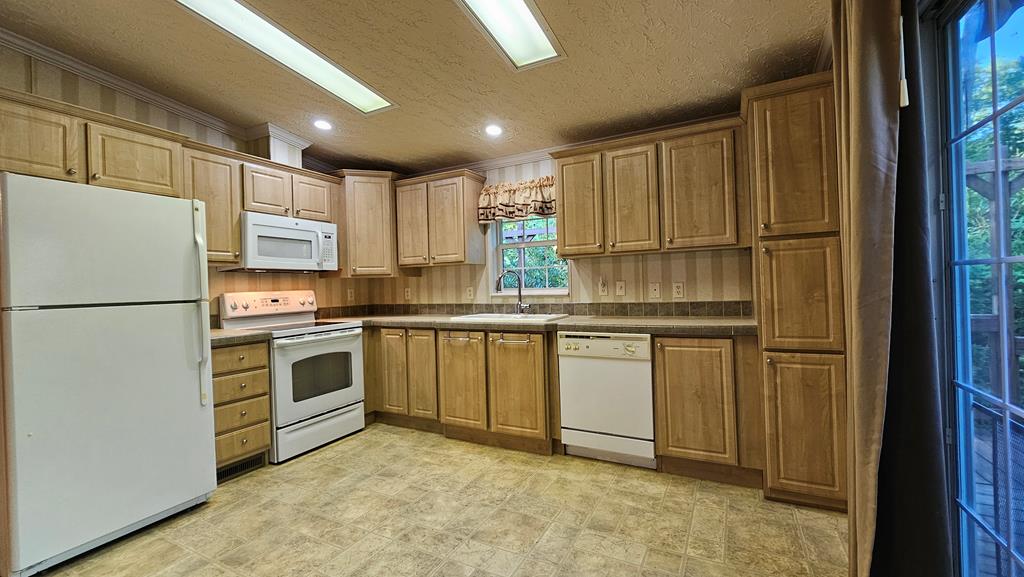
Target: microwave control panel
{"x":250,"y":304}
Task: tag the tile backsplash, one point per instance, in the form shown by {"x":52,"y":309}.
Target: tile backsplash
{"x":678,"y":309}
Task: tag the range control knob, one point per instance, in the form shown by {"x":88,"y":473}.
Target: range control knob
{"x":245,"y":305}
{"x":310,"y":301}
{"x":302,"y":302}
{"x":234,"y":306}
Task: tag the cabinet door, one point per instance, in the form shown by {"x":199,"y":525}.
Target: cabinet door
{"x":631,"y":199}
{"x":370,"y":225}
{"x":447,"y":228}
{"x":806,"y":421}
{"x":793,"y":148}
{"x":311,"y":198}
{"x":421,"y":350}
{"x":413,"y":241}
{"x":217,"y":181}
{"x":699,"y":195}
{"x":394,"y":372}
{"x":802,"y":294}
{"x":462,"y":376}
{"x":266,"y":189}
{"x":124,"y":159}
{"x":580,"y":200}
{"x":39,"y":142}
{"x":516,"y":384}
{"x":696,"y":400}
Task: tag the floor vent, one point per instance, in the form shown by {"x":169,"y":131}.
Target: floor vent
{"x":241,"y":467}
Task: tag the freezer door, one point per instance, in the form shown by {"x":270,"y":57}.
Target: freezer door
{"x":70,"y":244}
{"x":105,"y":420}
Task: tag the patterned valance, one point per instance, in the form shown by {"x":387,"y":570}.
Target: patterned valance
{"x":507,"y":200}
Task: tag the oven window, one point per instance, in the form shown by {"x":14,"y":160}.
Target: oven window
{"x":320,"y":375}
{"x":279,"y":247}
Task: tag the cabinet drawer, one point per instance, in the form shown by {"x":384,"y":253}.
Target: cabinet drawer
{"x":241,"y":414}
{"x":241,"y":386}
{"x":248,"y":441}
{"x":240,"y":358}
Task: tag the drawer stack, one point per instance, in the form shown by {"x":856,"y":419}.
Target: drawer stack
{"x":241,"y":398}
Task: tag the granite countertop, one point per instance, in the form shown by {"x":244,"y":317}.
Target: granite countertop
{"x":229,"y":337}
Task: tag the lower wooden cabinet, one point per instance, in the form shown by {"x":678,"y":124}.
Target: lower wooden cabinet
{"x":695,"y":403}
{"x":241,"y":414}
{"x":516,"y":384}
{"x":409,"y":372}
{"x":806,"y":423}
{"x":462,"y":379}
{"x":394,"y":372}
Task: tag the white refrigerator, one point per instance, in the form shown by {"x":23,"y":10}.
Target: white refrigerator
{"x":107,"y":409}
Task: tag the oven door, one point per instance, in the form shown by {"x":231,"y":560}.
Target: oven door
{"x":316,"y":374}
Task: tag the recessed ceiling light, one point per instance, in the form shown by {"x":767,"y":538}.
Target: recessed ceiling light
{"x":493,"y":130}
{"x":322,"y":125}
{"x":516,"y":28}
{"x":254,"y":30}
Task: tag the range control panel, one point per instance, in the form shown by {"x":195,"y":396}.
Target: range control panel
{"x":251,"y":304}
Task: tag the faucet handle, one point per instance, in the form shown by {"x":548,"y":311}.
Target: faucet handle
{"x":523,"y":308}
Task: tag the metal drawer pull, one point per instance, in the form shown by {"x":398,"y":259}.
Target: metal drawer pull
{"x":243,"y":385}
{"x":241,"y":357}
{"x":460,"y":338}
{"x":501,"y":341}
{"x":245,"y":441}
{"x":245,"y":413}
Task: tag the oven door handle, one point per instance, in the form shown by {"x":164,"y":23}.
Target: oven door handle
{"x":349,"y":334}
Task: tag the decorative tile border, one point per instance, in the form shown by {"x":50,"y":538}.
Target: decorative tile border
{"x":733,"y":309}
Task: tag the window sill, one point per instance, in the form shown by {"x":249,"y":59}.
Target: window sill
{"x":511,"y":293}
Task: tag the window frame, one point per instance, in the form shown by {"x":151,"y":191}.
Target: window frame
{"x":497,"y":246}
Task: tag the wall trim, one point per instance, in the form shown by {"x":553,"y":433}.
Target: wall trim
{"x":88,"y":71}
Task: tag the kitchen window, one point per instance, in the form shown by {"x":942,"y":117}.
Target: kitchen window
{"x":527,"y":246}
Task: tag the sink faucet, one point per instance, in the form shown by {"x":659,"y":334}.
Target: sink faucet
{"x":520,"y":307}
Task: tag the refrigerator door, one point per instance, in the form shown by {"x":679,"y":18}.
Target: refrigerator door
{"x":76,"y":244}
{"x":105,"y":420}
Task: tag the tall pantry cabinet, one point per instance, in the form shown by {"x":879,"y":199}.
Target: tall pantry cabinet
{"x":791,"y":138}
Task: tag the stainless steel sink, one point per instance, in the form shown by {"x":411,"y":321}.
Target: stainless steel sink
{"x":508,"y":318}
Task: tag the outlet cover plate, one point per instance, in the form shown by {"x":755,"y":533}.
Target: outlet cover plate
{"x":620,"y":288}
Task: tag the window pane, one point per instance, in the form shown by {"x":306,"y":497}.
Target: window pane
{"x":510,"y":258}
{"x":974,"y":74}
{"x":535,"y":227}
{"x":1011,"y":152}
{"x":1009,"y":50}
{"x":535,"y":278}
{"x":511,"y":231}
{"x":982,"y":556}
{"x":558,"y":276}
{"x":540,"y":255}
{"x":1016,"y":315}
{"x":976,"y":208}
{"x":1017,"y":482}
{"x":979,"y":359}
{"x":552,"y":225}
{"x":984,"y":461}
{"x":510,"y":282}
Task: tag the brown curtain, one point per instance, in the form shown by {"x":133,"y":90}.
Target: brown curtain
{"x":511,"y":200}
{"x":867,"y":73}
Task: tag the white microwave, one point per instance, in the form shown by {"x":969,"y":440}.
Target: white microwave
{"x":271,"y":242}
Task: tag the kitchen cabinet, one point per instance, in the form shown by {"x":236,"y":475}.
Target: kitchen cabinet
{"x":370,"y":223}
{"x":806,"y":424}
{"x":438,"y":221}
{"x":462,"y":379}
{"x":579,"y":189}
{"x":695,"y":399}
{"x":421,"y":354}
{"x":217,"y":181}
{"x":395,"y":372}
{"x":241,"y":399}
{"x":266,"y":189}
{"x":39,"y":142}
{"x":699,"y":194}
{"x":129,"y":160}
{"x":801,"y":294}
{"x":311,"y":198}
{"x":631,"y":199}
{"x":517,"y":388}
{"x":793,"y":161}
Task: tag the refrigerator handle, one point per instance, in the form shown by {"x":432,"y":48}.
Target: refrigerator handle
{"x":199,"y":228}
{"x":205,"y":371}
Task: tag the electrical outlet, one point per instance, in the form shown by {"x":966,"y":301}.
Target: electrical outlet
{"x":620,"y":288}
{"x":469,"y":293}
{"x":408,"y":293}
{"x":677,"y":290}
{"x":351,"y":294}
{"x":654,"y":290}
{"x":602,"y":287}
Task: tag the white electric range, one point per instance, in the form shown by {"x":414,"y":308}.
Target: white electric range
{"x":316,"y":368}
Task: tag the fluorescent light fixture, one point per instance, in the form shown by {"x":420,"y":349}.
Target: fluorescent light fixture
{"x":322,"y":125}
{"x":493,"y":130}
{"x":251,"y":28}
{"x":516,"y":28}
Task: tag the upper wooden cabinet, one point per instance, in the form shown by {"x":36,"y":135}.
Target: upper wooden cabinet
{"x":695,"y":399}
{"x":792,"y":140}
{"x":631,"y":199}
{"x":699,"y":190}
{"x":39,"y":142}
{"x":311,"y":198}
{"x":217,"y":181}
{"x":806,"y":422}
{"x":267,"y":190}
{"x":462,"y":379}
{"x":579,"y":189}
{"x":438,"y":221}
{"x":801,"y":294}
{"x":370,"y":223}
{"x":516,"y":384}
{"x":121,"y":158}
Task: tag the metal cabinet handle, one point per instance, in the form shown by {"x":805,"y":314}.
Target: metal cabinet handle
{"x":424,"y":257}
{"x":241,"y":357}
{"x":237,"y":254}
{"x":764,"y":226}
{"x":764,"y":250}
{"x":769,"y":361}
{"x":503,"y":341}
{"x":72,"y":171}
{"x":599,"y":245}
{"x":243,"y":386}
{"x":660,"y":346}
{"x":95,"y":176}
{"x":245,"y":413}
{"x":668,"y":239}
{"x":612,"y":244}
{"x":245,"y":441}
{"x":298,"y":210}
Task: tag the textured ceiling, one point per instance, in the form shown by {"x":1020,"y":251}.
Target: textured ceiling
{"x":630,"y":64}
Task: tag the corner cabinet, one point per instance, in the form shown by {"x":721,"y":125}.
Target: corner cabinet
{"x":516,"y":384}
{"x":40,"y":142}
{"x":437,"y":216}
{"x":120,"y":158}
{"x":462,"y":379}
{"x":217,"y":181}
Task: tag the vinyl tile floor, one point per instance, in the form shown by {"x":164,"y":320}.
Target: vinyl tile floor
{"x":393,"y":502}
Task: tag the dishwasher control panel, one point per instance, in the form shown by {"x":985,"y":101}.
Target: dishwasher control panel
{"x":604,"y":345}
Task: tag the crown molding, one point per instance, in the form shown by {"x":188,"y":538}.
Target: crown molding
{"x":99,"y":76}
{"x":276,"y":132}
{"x":314,"y":163}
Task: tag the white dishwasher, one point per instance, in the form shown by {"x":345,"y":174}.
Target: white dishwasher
{"x":606,"y":396}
